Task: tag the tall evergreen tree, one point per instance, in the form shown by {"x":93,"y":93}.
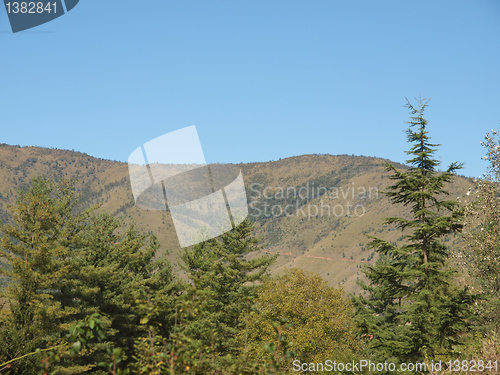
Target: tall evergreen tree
{"x":227,"y":270}
{"x":37,"y":249}
{"x":65,"y":264}
{"x":414,"y":310}
{"x":114,"y":271}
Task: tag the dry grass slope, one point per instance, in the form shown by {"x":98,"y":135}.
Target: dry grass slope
{"x":323,"y":229}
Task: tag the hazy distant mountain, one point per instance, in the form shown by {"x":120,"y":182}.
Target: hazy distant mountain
{"x":314,"y":210}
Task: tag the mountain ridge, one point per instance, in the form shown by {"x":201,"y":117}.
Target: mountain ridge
{"x":324,"y":236}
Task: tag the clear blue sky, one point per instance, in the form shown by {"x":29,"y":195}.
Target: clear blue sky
{"x":261,"y":80}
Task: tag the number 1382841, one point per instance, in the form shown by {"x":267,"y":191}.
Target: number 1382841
{"x":31,"y":7}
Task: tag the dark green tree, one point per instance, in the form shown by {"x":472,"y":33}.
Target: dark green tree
{"x":65,"y":264}
{"x":224,"y":274}
{"x":115,"y":273}
{"x":414,"y":310}
{"x":38,"y":252}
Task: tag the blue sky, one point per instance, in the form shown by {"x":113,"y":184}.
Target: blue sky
{"x":261,"y":80}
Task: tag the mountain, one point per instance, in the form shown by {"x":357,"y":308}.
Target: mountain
{"x":314,"y":210}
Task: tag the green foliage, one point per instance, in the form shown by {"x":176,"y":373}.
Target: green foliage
{"x":319,"y":318}
{"x":114,"y":271}
{"x":224,"y":273}
{"x":182,"y":354}
{"x":281,"y":351}
{"x":66,"y":265}
{"x":481,"y":252}
{"x":211,"y":315}
{"x":414,"y":311}
{"x":81,"y":335}
{"x":38,"y":250}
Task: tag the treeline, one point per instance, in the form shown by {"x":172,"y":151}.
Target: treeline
{"x":87,"y":295}
{"x":84,"y":299}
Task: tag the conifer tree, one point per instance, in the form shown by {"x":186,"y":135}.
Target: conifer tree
{"x":65,"y":265}
{"x":114,"y":272}
{"x":38,"y":251}
{"x":224,"y":272}
{"x":414,"y":311}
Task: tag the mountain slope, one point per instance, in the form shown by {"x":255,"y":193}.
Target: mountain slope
{"x":314,"y":210}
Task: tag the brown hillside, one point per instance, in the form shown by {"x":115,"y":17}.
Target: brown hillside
{"x":331,"y":203}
